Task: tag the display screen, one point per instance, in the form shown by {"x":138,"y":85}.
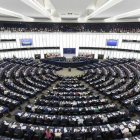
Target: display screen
{"x":69,"y":50}
{"x":112,"y":42}
{"x":25,"y":42}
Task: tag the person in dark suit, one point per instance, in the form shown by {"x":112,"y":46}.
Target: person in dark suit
{"x":3,"y":126}
{"x":67,"y":134}
{"x":131,"y":108}
{"x":56,"y":121}
{"x":71,"y":122}
{"x":11,"y":130}
{"x":97,"y":119}
{"x":39,"y":119}
{"x":61,"y":112}
{"x":39,"y":132}
{"x":88,"y":134}
{"x":77,"y":134}
{"x":65,"y":121}
{"x":97,"y":132}
{"x":115,"y":131}
{"x":89,"y":120}
{"x":29,"y":131}
{"x":19,"y":132}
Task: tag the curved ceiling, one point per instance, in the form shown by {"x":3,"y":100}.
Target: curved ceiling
{"x":78,"y":11}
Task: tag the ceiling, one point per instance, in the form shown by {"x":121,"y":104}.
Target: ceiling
{"x":75,"y":11}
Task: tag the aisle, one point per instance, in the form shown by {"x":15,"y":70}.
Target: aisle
{"x":65,"y":72}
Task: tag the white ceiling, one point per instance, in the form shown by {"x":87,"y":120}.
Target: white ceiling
{"x":70,"y":8}
{"x":78,"y":11}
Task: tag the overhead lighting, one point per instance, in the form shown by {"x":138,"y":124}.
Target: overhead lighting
{"x":14,"y":14}
{"x":104,"y":7}
{"x":38,"y":7}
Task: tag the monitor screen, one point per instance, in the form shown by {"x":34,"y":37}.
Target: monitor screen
{"x":112,"y":42}
{"x":25,"y":42}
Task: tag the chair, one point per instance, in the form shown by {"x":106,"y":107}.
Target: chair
{"x":89,"y":123}
{"x":136,"y":132}
{"x":80,"y":138}
{"x":39,"y":122}
{"x":118,"y":136}
{"x":48,"y":138}
{"x":7,"y":134}
{"x":26,"y":137}
{"x":15,"y":135}
{"x":36,"y":137}
{"x":112,"y":120}
{"x":67,"y":138}
{"x":99,"y":137}
{"x":17,"y":118}
{"x":75,"y":113}
{"x":106,"y":136}
{"x":54,"y":124}
{"x":57,"y":138}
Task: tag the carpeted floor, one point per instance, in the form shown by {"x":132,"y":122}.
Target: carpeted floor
{"x":73,"y":72}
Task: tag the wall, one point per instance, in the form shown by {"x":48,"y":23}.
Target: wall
{"x":70,"y":40}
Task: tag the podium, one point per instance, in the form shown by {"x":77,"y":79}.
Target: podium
{"x":69,"y":69}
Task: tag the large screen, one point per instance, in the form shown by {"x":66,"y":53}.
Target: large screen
{"x":25,"y":42}
{"x":69,"y":50}
{"x":112,"y":42}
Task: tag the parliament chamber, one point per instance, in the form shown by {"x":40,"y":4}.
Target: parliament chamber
{"x":37,"y":103}
{"x":69,"y":70}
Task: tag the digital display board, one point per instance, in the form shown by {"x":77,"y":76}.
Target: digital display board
{"x":25,"y":42}
{"x":112,"y":42}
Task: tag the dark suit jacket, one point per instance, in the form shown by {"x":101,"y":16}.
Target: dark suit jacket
{"x":77,"y":135}
{"x":29,"y":132}
{"x":88,"y":134}
{"x":97,"y":133}
{"x":97,"y":119}
{"x":11,"y":131}
{"x":131,"y":107}
{"x":38,"y":132}
{"x":64,"y":121}
{"x":56,"y":120}
{"x":19,"y":132}
{"x":67,"y":134}
{"x":115,"y":132}
{"x":89,"y":120}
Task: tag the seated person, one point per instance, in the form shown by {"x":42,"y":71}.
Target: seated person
{"x":104,"y":118}
{"x":58,"y":133}
{"x":77,"y":134}
{"x":115,"y":131}
{"x":19,"y":132}
{"x":67,"y":134}
{"x":10,"y":129}
{"x":39,"y":132}
{"x":29,"y":131}
{"x":125,"y":132}
{"x":65,"y":121}
{"x":132,"y":127}
{"x":48,"y":133}
{"x":97,"y":119}
{"x":80,"y":121}
{"x":131,"y":107}
{"x":97,"y":132}
{"x":46,"y":110}
{"x":33,"y":108}
{"x":74,"y":103}
{"x":88,"y":134}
